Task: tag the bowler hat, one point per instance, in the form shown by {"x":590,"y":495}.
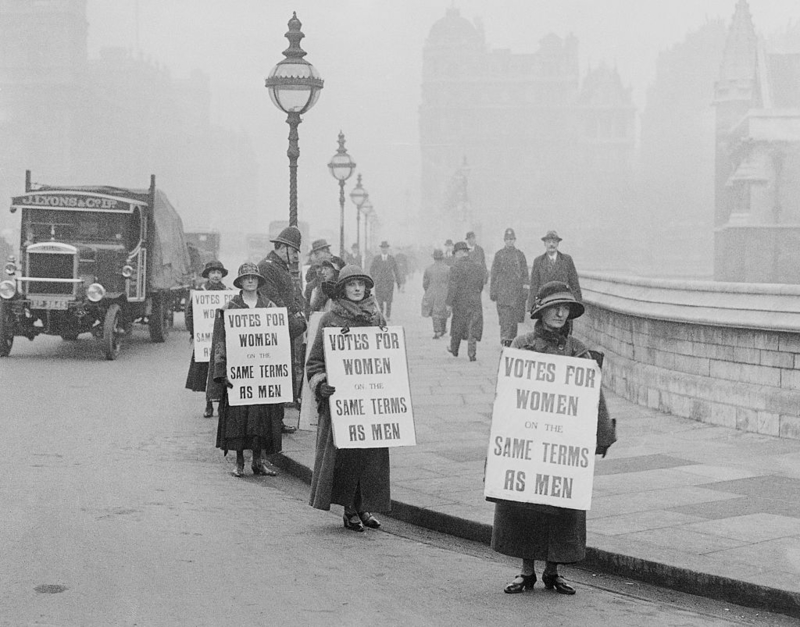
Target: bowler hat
{"x":438,"y":254}
{"x":509,"y":234}
{"x":384,"y":244}
{"x":551,"y":235}
{"x":349,"y":273}
{"x":248,"y":269}
{"x":556,"y":293}
{"x":290,"y":236}
{"x":448,"y":242}
{"x":319,"y":244}
{"x":460,"y":246}
{"x":213,"y":265}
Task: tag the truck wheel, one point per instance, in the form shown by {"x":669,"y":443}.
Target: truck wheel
{"x":112,"y":332}
{"x":6,"y":329}
{"x":158,"y":323}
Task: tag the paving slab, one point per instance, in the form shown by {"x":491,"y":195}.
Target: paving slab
{"x":696,"y":507}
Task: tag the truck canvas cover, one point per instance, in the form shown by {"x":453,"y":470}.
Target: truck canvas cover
{"x":169,"y":265}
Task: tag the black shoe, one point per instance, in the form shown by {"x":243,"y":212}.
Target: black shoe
{"x":520,"y":584}
{"x":473,"y":358}
{"x":450,"y":350}
{"x":288,"y":429}
{"x":260,"y":468}
{"x":369,"y":520}
{"x":557,"y":581}
{"x":353,"y":522}
{"x":238,"y":470}
{"x":209,"y":411}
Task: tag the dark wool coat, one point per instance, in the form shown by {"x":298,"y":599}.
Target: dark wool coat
{"x":545,"y":532}
{"x":478,"y":255}
{"x":198,"y":372}
{"x":280,"y":289}
{"x":338,"y":473}
{"x":435,"y":282}
{"x":464,"y":296}
{"x":544,"y":271}
{"x":509,"y":284}
{"x":385,"y":274}
{"x":241,"y":427}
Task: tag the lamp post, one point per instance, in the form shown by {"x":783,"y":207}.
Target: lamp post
{"x":294,"y":85}
{"x":358,"y":195}
{"x":366,"y":208}
{"x":341,"y":167}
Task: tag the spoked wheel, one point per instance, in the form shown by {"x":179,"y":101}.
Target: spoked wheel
{"x":112,"y":332}
{"x":6,"y":329}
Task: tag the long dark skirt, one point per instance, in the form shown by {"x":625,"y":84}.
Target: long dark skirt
{"x":535,"y":532}
{"x":196,"y":378}
{"x":351,"y":477}
{"x":252,"y":427}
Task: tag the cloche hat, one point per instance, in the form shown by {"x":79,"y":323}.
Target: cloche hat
{"x":248,"y":269}
{"x":350,"y":272}
{"x":290,"y":236}
{"x":460,"y":246}
{"x":556,"y":293}
{"x":438,"y":253}
{"x":213,"y":265}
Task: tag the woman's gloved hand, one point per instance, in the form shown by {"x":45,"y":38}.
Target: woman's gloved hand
{"x":325,"y":390}
{"x":601,"y":450}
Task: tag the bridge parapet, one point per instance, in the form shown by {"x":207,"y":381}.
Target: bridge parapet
{"x":720,"y":353}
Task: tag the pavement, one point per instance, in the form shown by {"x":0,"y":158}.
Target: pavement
{"x":698,"y":508}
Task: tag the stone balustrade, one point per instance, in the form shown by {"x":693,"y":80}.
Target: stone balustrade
{"x":720,"y":353}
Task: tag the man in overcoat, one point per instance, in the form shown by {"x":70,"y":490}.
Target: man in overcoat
{"x":553,"y":265}
{"x":435,"y":282}
{"x":476,"y":252}
{"x":385,"y":273}
{"x":509,"y":286}
{"x":279,"y":288}
{"x":464,"y":297}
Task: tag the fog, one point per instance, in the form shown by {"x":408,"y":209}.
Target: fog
{"x":370,"y":55}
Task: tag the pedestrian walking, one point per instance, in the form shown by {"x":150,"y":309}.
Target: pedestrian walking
{"x":244,"y":427}
{"x":553,"y":265}
{"x":476,"y":252}
{"x":357,"y":479}
{"x":435,"y":282}
{"x":386,"y":274}
{"x":354,"y":256}
{"x":197,"y":377}
{"x":551,"y":534}
{"x":449,"y":257}
{"x":280,"y":289}
{"x":509,"y":286}
{"x":464,"y":298}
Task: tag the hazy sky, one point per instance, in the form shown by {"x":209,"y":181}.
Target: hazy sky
{"x":370,"y":54}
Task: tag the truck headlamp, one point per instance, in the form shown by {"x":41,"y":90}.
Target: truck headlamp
{"x":7,"y":289}
{"x":95,"y":292}
{"x":127,"y":272}
{"x":10,"y":268}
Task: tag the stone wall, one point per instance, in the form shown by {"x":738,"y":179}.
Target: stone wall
{"x":721,"y":353}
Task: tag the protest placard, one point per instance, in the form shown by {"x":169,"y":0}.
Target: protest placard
{"x":204,"y":308}
{"x":544,"y":430}
{"x":259,"y":356}
{"x":372,"y":404}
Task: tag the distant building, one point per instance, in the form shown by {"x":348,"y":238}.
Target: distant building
{"x":534,"y":141}
{"x":757,"y":183}
{"x":111,"y":120}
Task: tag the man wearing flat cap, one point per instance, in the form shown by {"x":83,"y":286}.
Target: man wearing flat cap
{"x":553,"y":265}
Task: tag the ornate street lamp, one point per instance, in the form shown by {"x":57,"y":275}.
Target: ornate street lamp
{"x":341,"y":167}
{"x":369,"y":212}
{"x":358,"y":195}
{"x":294,"y":85}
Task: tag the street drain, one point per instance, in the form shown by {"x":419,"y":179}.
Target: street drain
{"x":50,"y":588}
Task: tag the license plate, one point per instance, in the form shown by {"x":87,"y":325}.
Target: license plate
{"x":48,"y":303}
